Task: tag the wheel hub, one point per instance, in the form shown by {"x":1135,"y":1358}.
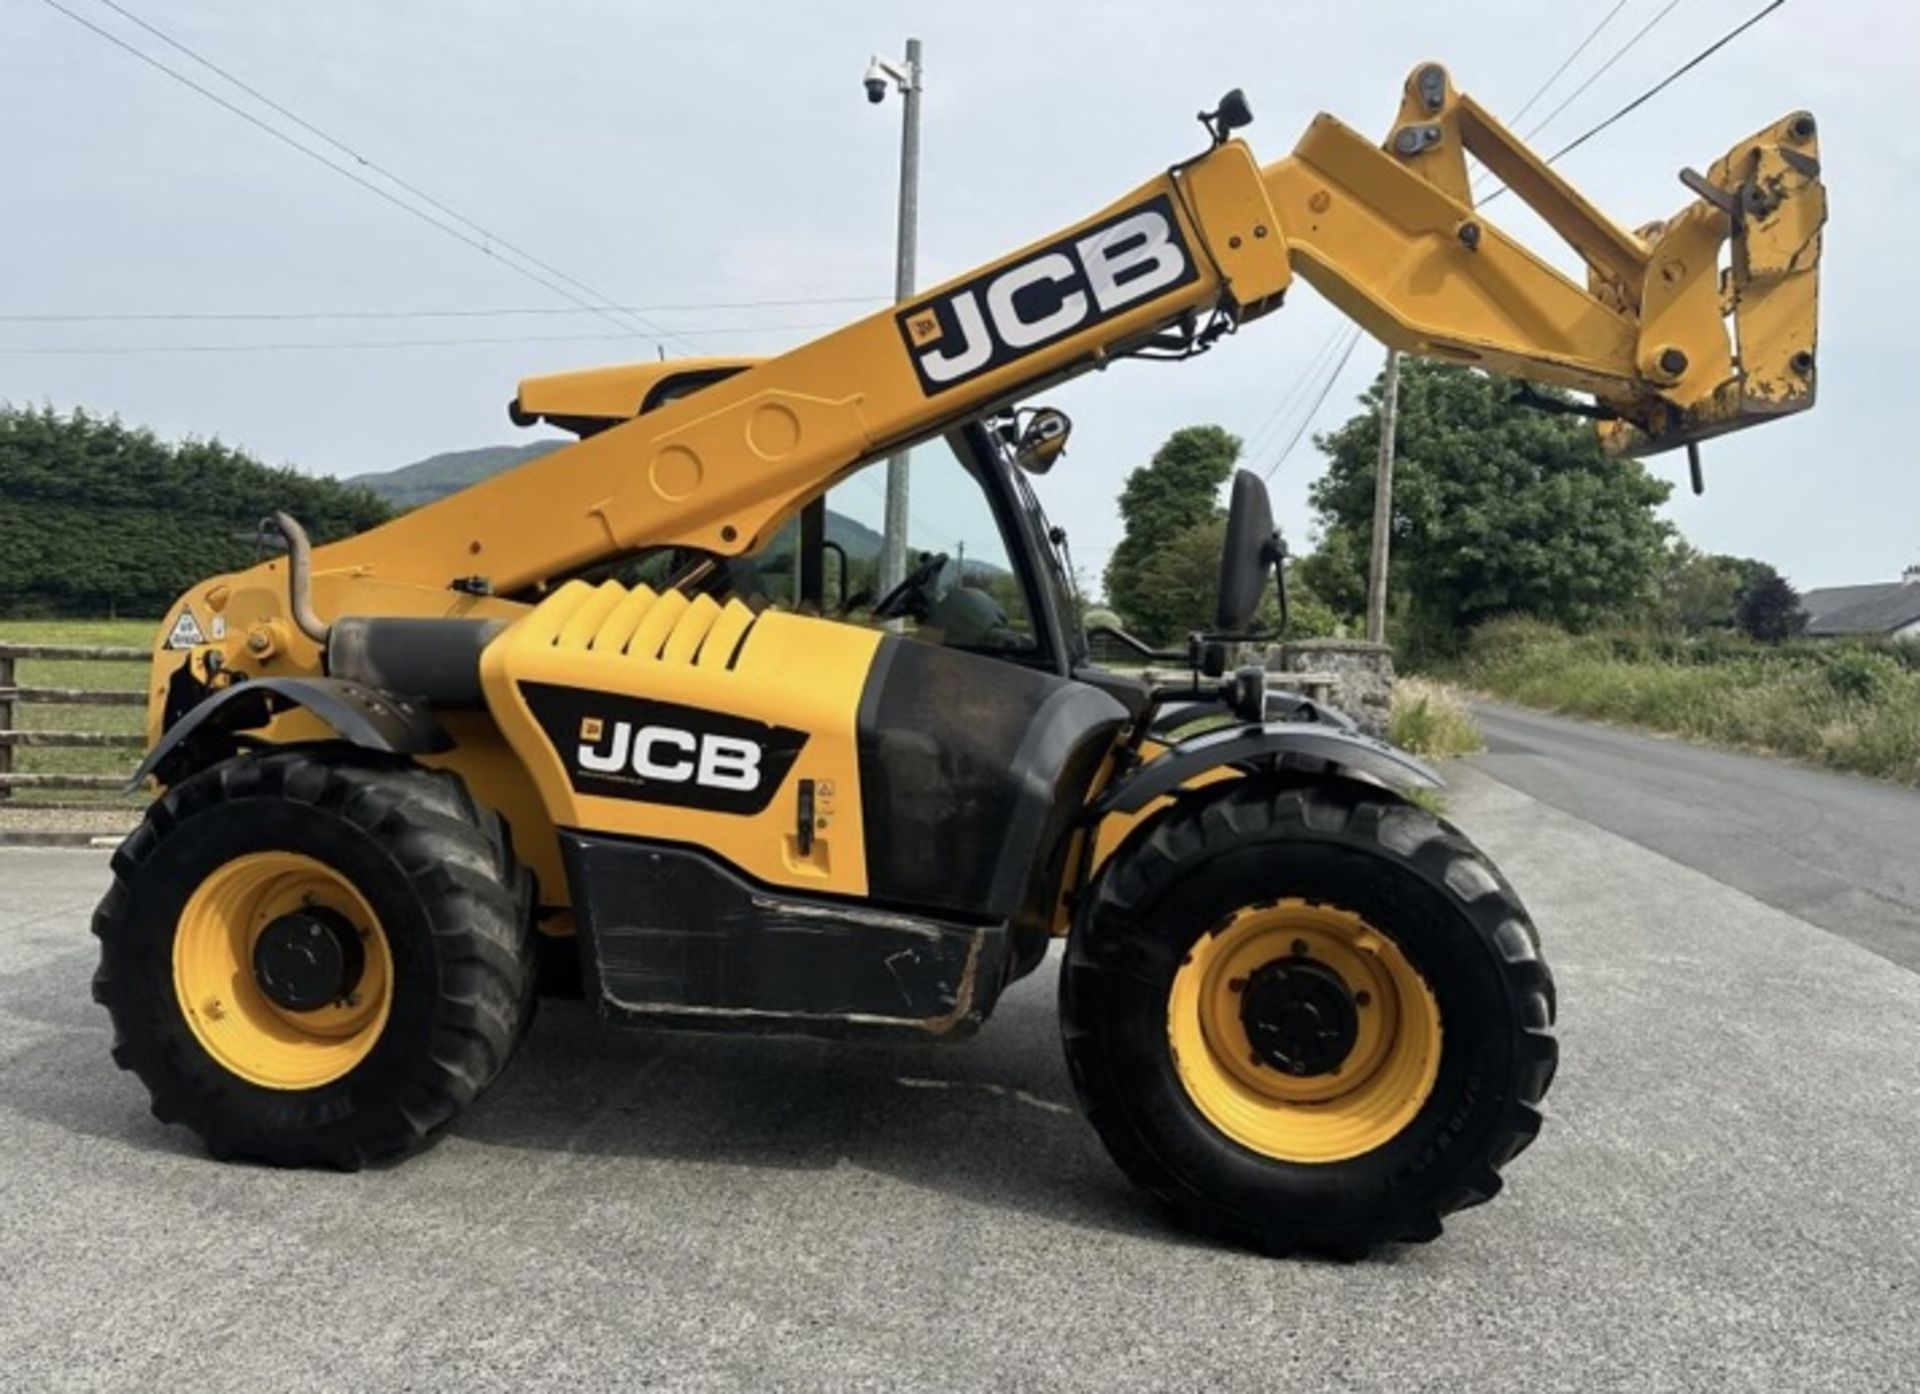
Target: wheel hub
{"x":308,"y":959}
{"x":1299,"y":1016}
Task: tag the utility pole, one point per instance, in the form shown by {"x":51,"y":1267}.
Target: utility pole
{"x":1383,"y":504}
{"x":905,"y":79}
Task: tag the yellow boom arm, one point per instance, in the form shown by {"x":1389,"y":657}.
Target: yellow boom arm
{"x":1671,"y":349}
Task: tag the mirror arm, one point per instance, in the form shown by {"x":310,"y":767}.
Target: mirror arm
{"x":1139,"y":646}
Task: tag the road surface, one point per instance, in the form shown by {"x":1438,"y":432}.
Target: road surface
{"x":1726,"y":1196}
{"x":1832,"y":849}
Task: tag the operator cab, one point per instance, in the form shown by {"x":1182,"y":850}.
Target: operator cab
{"x":978,"y":573}
{"x":981,"y":570}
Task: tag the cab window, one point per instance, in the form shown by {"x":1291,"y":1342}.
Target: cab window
{"x":962,"y":585}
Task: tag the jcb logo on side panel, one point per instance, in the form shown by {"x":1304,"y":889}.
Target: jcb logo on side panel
{"x":663,"y":752}
{"x":1079,"y":281}
{"x":669,"y":753}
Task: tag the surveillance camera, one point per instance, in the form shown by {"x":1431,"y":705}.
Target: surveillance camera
{"x":876,"y":81}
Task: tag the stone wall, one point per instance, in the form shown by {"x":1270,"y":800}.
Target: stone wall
{"x":1362,"y":675}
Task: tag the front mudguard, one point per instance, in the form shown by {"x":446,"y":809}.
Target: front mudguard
{"x":360,"y":715}
{"x":1312,"y":747}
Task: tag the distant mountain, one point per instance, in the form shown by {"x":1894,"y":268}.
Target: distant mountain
{"x":435,"y":477}
{"x":861,"y":541}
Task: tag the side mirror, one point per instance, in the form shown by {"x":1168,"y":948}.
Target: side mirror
{"x":1043,"y":441}
{"x":1253,"y":549}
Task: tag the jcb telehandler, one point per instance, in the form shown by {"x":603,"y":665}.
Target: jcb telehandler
{"x":628,"y":714}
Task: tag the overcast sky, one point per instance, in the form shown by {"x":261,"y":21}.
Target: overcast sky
{"x":673,"y":154}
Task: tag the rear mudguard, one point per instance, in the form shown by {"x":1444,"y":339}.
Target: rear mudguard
{"x":1309,"y":746}
{"x":1281,"y":706}
{"x":360,"y":715}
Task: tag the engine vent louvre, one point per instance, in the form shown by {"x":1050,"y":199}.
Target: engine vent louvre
{"x":655,"y":626}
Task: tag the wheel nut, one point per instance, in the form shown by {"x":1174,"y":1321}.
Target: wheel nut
{"x":1236,"y":985}
{"x":1362,"y":998}
{"x":1300,"y":947}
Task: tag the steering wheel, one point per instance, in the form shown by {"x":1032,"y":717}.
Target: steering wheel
{"x":913,"y":595}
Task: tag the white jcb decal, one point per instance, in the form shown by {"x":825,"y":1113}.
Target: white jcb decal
{"x":1002,"y":316}
{"x":672,"y":756}
{"x":185,"y":633}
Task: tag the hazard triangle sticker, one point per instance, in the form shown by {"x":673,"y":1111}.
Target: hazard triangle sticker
{"x":185,"y":633}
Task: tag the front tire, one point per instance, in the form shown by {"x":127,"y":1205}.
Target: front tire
{"x":314,"y":957}
{"x":1307,"y":1017}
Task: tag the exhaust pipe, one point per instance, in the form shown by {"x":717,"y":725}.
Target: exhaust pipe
{"x":300,"y":579}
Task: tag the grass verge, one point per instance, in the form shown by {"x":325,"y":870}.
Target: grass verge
{"x":1430,"y":720}
{"x":1854,"y":707}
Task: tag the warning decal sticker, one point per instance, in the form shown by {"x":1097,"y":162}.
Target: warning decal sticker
{"x":185,"y":632}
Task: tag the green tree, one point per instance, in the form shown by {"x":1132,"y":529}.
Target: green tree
{"x":1700,"y":591}
{"x":1769,"y":608}
{"x":1178,"y":489}
{"x":98,"y":518}
{"x":1497,"y":510}
{"x":1184,"y":579}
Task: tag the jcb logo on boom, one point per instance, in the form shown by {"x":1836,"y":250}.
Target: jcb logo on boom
{"x":670,"y":754}
{"x":647,"y":751}
{"x":1072,"y":284}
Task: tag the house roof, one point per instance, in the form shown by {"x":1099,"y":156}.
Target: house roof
{"x":1881,"y":609}
{"x":1817,"y":604}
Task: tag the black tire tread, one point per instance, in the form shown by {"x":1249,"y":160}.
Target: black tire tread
{"x":459,"y":858}
{"x":1104,"y":942}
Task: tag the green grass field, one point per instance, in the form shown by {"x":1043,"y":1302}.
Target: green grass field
{"x":76,"y":674}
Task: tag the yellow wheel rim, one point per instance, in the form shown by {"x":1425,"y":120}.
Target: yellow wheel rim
{"x":213,"y":973}
{"x":1364,"y":1100}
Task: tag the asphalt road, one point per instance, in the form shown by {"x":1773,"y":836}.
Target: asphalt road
{"x":1840,"y":852}
{"x":1727,"y":1195}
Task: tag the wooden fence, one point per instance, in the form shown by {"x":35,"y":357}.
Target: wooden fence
{"x":13,"y":696}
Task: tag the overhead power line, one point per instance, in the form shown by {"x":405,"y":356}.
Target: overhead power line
{"x":486,"y":242}
{"x":1656,"y":89}
{"x":1602,"y":70}
{"x":1257,"y":441}
{"x":84,"y":351}
{"x":1319,"y":401}
{"x":1486,"y":176}
{"x":1668,"y":80}
{"x":1566,"y":62}
{"x":252,"y":316}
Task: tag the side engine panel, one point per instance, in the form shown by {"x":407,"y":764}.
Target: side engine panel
{"x":652,"y":716}
{"x":774,"y":821}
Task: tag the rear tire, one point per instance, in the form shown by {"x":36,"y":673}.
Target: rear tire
{"x":407,"y":856}
{"x":1268,"y":1168}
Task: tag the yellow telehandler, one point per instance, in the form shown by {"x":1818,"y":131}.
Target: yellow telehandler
{"x":634,"y":720}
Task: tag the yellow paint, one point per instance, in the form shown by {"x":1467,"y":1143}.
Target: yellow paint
{"x":1377,"y":1090}
{"x":245,"y":1032}
{"x":792,"y":670}
{"x":1391,"y":239}
{"x":610,"y":394}
{"x":1116,"y":828}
